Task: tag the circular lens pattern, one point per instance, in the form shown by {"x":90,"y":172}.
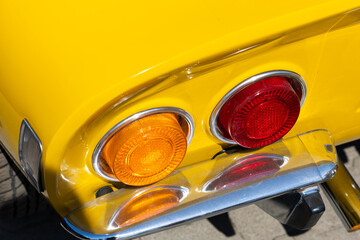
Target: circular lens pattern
{"x":146,"y":150}
{"x":274,"y":112}
{"x":261,"y":113}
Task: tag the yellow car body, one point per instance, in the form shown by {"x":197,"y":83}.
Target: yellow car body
{"x":74,"y":69}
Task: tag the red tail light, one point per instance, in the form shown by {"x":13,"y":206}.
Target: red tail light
{"x":259,"y":114}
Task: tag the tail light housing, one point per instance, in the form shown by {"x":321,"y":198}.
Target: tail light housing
{"x":145,"y":147}
{"x":259,"y":111}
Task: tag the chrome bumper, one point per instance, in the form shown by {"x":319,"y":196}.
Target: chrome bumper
{"x":232,"y":179}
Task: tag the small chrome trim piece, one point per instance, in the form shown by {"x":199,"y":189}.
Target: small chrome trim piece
{"x":329,"y":148}
{"x":309,"y":190}
{"x":297,"y":82}
{"x":97,"y":152}
{"x":30,"y":154}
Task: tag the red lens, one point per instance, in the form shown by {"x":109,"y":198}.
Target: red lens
{"x":260,"y":114}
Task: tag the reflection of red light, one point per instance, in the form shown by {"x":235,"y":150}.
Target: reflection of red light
{"x":255,"y":167}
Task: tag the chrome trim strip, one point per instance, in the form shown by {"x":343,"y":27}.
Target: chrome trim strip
{"x":309,"y":163}
{"x":97,"y":152}
{"x":309,"y":190}
{"x":297,"y":80}
{"x":30,"y":154}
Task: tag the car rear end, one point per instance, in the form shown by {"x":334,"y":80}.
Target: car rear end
{"x":132,"y":118}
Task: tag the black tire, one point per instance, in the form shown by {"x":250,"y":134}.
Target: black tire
{"x":18,"y":198}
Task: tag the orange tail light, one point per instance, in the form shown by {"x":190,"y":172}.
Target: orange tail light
{"x":146,"y":150}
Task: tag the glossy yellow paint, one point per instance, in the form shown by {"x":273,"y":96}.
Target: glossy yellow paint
{"x":75,"y":69}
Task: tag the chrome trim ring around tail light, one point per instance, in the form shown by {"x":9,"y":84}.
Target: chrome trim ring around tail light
{"x":296,"y":81}
{"x":30,"y":154}
{"x":286,"y":165}
{"x":188,"y":124}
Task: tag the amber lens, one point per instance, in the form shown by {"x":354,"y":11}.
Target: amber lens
{"x":146,"y":205}
{"x":146,"y":150}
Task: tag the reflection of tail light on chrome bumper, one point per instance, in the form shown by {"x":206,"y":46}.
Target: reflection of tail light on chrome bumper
{"x":232,"y":179}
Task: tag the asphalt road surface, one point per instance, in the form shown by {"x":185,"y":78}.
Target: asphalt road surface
{"x":249,"y":223}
